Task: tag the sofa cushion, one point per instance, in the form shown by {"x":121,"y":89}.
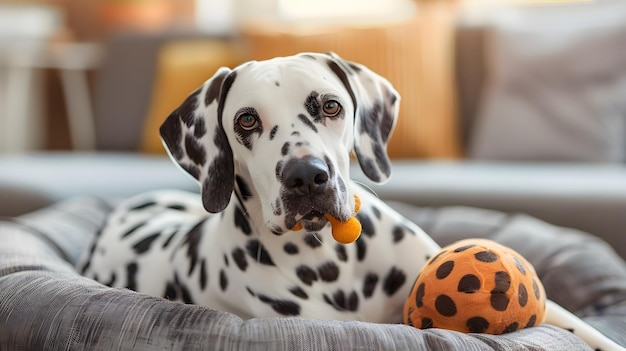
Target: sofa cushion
{"x":555,"y":82}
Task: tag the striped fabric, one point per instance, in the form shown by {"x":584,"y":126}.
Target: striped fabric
{"x":45,"y":304}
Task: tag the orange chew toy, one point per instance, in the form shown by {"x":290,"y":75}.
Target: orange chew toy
{"x":343,"y":232}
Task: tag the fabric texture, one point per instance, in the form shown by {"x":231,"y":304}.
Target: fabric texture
{"x":556,"y":79}
{"x":45,"y":304}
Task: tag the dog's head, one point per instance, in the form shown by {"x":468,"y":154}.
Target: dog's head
{"x":287,"y":126}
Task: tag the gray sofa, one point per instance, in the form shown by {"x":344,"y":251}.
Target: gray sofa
{"x":561,"y":207}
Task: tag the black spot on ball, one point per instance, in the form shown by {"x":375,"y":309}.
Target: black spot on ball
{"x":477,"y":324}
{"x":445,"y":305}
{"x":502,"y":282}
{"x":486,"y":256}
{"x":519,"y":265}
{"x":444,"y":270}
{"x":522,"y":295}
{"x":499,"y":301}
{"x":469,"y":284}
{"x":419,"y":295}
{"x":511,"y":328}
{"x":394,"y":280}
{"x":531,"y":321}
{"x":306,"y":274}
{"x":369,"y":284}
{"x":463,"y":248}
{"x":427,"y":323}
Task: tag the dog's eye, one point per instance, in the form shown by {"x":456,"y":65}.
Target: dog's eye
{"x":332,"y":108}
{"x":248,"y":122}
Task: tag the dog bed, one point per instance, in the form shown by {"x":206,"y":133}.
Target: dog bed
{"x":45,"y":304}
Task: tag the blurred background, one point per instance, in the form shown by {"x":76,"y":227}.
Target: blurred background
{"x":512,"y":105}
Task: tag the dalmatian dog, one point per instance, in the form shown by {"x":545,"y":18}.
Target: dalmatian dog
{"x":269,"y":143}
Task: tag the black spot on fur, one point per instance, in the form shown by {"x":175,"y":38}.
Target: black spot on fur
{"x":184,"y":291}
{"x":192,"y":240}
{"x":297,"y":291}
{"x":328,"y":272}
{"x":170,"y":292}
{"x":177,"y":207}
{"x":239,"y":256}
{"x":111,"y":280}
{"x":313,"y":240}
{"x":291,"y":248}
{"x":144,"y":244}
{"x":244,"y":189}
{"x":132,"y":230}
{"x":361,"y":248}
{"x":312,"y":106}
{"x":342,"y":254}
{"x":307,"y":122}
{"x":343,"y":302}
{"x":241,"y":221}
{"x":199,"y":129}
{"x":213,"y":91}
{"x":273,"y":132}
{"x":218,"y":186}
{"x":276,"y":83}
{"x":393,"y":281}
{"x":195,"y":150}
{"x":257,"y":251}
{"x":131,"y":276}
{"x":341,"y":74}
{"x":223,"y":280}
{"x":306,"y":274}
{"x":477,"y":324}
{"x":369,"y":284}
{"x":142,"y":206}
{"x":203,"y":274}
{"x":283,"y":307}
{"x":172,"y":131}
{"x":192,"y":170}
{"x":226,"y":262}
{"x":284,"y":150}
{"x":398,"y":234}
{"x":278,"y":172}
{"x":167,"y":241}
{"x":367,"y":225}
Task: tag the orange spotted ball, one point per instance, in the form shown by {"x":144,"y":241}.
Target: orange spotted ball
{"x":476,"y":286}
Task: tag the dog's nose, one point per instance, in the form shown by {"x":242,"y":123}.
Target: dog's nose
{"x":305,"y":176}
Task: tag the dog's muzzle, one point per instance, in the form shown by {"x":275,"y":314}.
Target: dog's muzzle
{"x":307,"y":176}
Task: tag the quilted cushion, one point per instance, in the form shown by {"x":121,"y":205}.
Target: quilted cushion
{"x":45,"y":304}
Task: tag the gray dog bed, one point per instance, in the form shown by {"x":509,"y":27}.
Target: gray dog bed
{"x":45,"y":304}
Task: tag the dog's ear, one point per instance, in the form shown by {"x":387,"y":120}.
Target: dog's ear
{"x":195,"y":139}
{"x":376,"y":106}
